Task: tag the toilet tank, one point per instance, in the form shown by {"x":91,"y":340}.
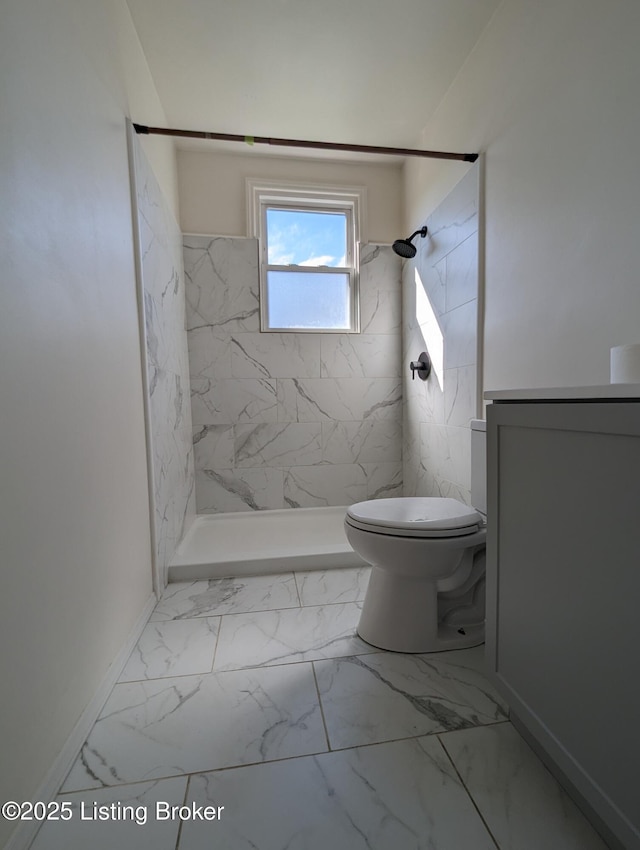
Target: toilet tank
{"x":479,"y":465}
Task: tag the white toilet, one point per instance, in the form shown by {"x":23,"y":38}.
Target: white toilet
{"x":426,"y":591}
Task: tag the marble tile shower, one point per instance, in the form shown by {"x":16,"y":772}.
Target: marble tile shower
{"x":306,"y":736}
{"x":440,"y":315}
{"x":286,"y":419}
{"x":167,"y":362}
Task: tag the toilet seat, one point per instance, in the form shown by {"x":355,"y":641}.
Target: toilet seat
{"x":415,"y":517}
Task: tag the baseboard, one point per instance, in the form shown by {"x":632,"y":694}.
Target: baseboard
{"x":26,"y":831}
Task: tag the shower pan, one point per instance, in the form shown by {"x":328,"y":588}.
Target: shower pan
{"x":260,"y":542}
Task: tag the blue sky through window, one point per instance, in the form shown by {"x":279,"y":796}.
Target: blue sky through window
{"x":306,"y":238}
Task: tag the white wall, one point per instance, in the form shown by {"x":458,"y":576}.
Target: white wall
{"x":74,"y":516}
{"x":212,"y":189}
{"x":551,"y":94}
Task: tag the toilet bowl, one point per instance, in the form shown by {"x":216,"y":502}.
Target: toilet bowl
{"x":426,"y":591}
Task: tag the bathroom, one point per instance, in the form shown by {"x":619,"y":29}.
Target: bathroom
{"x":556,"y":121}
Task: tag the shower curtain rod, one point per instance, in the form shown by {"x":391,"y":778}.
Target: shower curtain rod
{"x":298,"y":143}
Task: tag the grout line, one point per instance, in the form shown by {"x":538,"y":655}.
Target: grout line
{"x":121,"y":785}
{"x":259,"y":665}
{"x":286,"y":758}
{"x":213,"y":612}
{"x":292,"y":758}
{"x":469,"y":794}
{"x":188,"y":775}
{"x":184,"y":803}
{"x":357,"y":602}
{"x":409,"y":737}
{"x":295,"y":581}
{"x":262,"y":665}
{"x":215,"y":648}
{"x":324,"y":722}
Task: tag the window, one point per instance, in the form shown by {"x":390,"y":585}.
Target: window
{"x":309,"y":240}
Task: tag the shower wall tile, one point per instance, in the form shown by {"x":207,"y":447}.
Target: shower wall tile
{"x":342,"y":399}
{"x":450,"y":490}
{"x":320,"y":486}
{"x":459,"y":328}
{"x":278,"y":444}
{"x":290,"y":419}
{"x":221,"y":490}
{"x":222,"y":283}
{"x":424,"y":399}
{"x":380,"y":293}
{"x":166,"y":361}
{"x":418,"y":480}
{"x":275,"y":355}
{"x":209,"y":353}
{"x":432,"y":281}
{"x":372,"y":441}
{"x":383,"y":480}
{"x":233,"y":400}
{"x":360,"y":355}
{"x":460,"y":395}
{"x":173,"y":489}
{"x":380,"y":312}
{"x":213,"y":446}
{"x":440,"y":316}
{"x":380,"y":268}
{"x":411,"y":460}
{"x":168,"y":400}
{"x":462,"y":273}
{"x":410,"y":286}
{"x":449,"y":452}
{"x":454,"y":220}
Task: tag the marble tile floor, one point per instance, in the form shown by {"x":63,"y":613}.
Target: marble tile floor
{"x":252,"y":703}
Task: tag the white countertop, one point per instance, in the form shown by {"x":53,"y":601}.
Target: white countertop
{"x":604,"y":391}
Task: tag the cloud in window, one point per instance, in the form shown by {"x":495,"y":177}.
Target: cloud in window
{"x":325,"y":260}
{"x":278,"y":259}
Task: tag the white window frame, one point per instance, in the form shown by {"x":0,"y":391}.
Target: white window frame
{"x":351,"y":200}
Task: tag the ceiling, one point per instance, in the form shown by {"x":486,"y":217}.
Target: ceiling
{"x":366,"y":72}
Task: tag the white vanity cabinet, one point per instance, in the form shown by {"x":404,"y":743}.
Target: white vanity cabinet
{"x":563,"y":588}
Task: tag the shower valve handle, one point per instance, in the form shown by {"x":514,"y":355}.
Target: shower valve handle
{"x":422,"y":366}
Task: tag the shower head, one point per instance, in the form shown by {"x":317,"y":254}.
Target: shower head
{"x":405,"y":247}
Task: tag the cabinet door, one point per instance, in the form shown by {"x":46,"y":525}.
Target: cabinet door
{"x":563,"y":590}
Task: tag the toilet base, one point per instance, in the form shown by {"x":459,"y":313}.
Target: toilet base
{"x":448,"y":637}
{"x":400,"y":614}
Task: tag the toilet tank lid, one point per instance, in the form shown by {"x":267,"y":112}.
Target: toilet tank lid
{"x":478,"y":424}
{"x":415,"y":512}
